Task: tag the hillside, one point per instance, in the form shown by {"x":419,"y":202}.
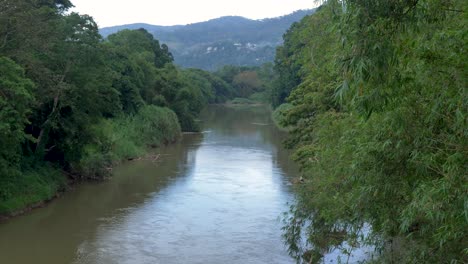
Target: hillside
{"x":230,"y":40}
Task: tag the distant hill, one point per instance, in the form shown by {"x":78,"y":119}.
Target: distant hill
{"x":229,"y":40}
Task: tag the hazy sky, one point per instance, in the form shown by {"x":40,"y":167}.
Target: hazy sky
{"x":174,"y":12}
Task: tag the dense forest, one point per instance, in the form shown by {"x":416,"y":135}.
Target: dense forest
{"x":73,"y":104}
{"x":372,"y":92}
{"x":374,"y":95}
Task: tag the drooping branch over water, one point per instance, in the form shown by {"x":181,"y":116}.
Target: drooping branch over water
{"x":377,"y":103}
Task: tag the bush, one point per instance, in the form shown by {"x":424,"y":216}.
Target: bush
{"x":127,"y":137}
{"x":35,"y":184}
{"x":279,"y":116}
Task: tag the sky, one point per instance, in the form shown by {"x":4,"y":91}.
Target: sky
{"x":180,"y":12}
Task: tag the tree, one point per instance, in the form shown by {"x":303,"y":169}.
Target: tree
{"x":16,"y":98}
{"x":379,"y":128}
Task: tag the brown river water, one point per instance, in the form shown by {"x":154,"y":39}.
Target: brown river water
{"x":214,"y":197}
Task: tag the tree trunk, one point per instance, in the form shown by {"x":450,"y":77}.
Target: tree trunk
{"x":40,"y":145}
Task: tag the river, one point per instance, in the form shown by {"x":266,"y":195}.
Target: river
{"x":214,"y":197}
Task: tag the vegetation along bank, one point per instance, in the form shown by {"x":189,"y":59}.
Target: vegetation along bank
{"x":372,"y":92}
{"x":73,"y":104}
{"x":377,"y":109}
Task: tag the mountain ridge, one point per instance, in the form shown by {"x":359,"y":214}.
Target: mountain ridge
{"x":227,"y":40}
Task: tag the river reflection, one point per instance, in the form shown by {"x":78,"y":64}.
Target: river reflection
{"x":214,"y":197}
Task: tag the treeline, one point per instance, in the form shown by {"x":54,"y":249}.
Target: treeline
{"x":222,"y":41}
{"x":249,"y":84}
{"x":73,"y":104}
{"x":377,"y":102}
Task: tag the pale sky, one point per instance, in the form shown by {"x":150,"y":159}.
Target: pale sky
{"x":179,"y":12}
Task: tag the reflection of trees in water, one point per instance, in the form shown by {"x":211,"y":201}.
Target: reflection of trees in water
{"x":80,"y":213}
{"x":253,"y":122}
{"x":233,"y":120}
{"x":136,"y":181}
{"x":83,"y":212}
{"x":145,"y":177}
{"x":254,"y":126}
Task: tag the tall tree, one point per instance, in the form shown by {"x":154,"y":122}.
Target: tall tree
{"x":16,"y":98}
{"x":380,"y":129}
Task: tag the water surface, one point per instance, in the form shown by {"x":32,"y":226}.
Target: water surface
{"x":214,"y":197}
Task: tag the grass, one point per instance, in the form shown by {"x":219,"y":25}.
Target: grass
{"x":114,"y":140}
{"x":128,"y":137}
{"x":34,"y":185}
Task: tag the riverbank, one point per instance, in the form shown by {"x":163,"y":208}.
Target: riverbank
{"x":38,"y":196}
{"x":208,"y":197}
{"x":119,"y":140}
{"x":31,"y":189}
{"x":243,"y":102}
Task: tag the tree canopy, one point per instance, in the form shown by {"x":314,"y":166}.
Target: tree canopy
{"x":74,"y":103}
{"x":378,"y":117}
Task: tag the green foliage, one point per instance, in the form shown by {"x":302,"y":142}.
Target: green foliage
{"x":279,"y":116}
{"x":213,"y":88}
{"x":145,"y":75}
{"x":94,"y":102}
{"x":127,"y":137}
{"x":260,"y":97}
{"x":156,"y":126}
{"x":15,"y":103}
{"x":138,"y":62}
{"x":34,"y":185}
{"x":246,"y":81}
{"x":378,"y":117}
